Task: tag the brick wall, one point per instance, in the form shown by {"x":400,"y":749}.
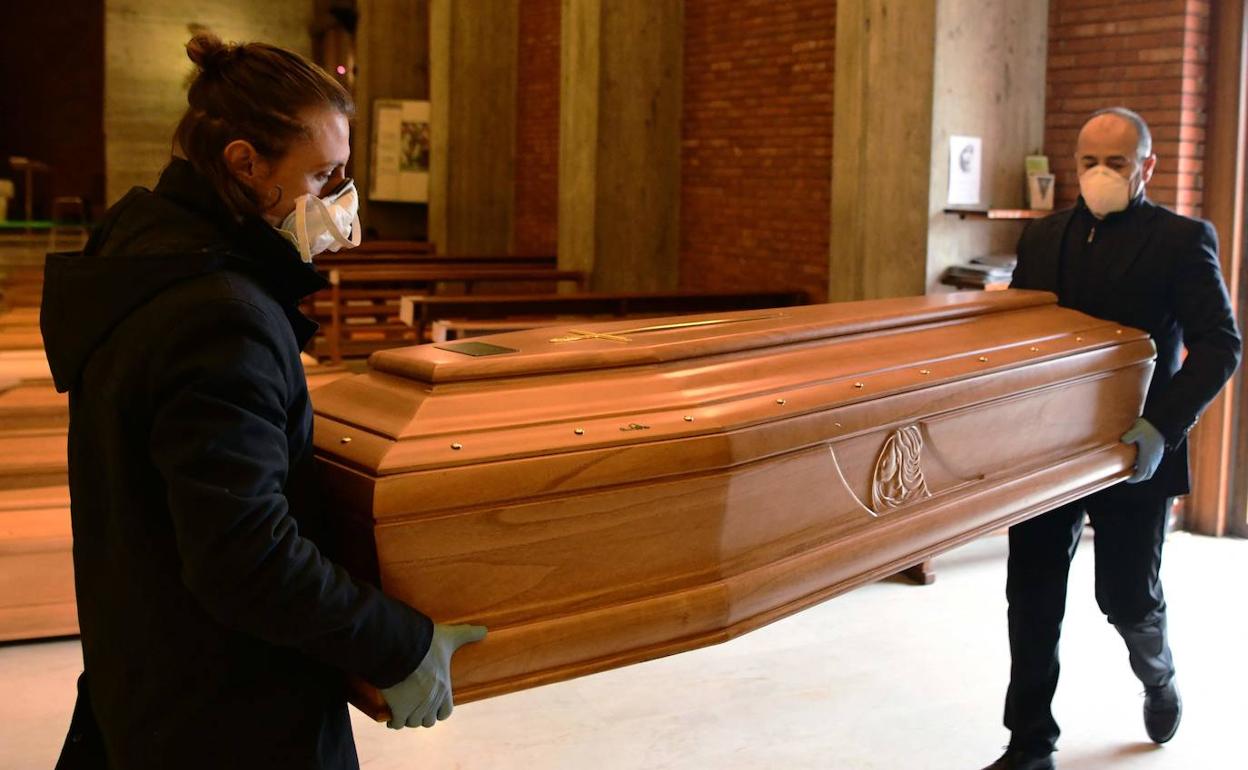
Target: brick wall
{"x":1148,"y":55}
{"x":537,"y":129}
{"x":757,"y":144}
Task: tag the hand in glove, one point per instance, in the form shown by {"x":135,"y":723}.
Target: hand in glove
{"x":1150,"y":447}
{"x":424,"y":697}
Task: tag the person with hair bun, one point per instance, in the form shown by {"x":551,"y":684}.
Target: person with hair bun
{"x":217,"y":632}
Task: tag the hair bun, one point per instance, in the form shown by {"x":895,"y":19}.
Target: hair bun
{"x":207,"y":51}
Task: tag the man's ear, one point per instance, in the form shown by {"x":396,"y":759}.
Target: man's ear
{"x":245,"y":163}
{"x":1147,"y":169}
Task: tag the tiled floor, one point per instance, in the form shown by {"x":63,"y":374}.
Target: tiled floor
{"x":889,"y":677}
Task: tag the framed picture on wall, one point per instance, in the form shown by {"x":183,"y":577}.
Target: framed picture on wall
{"x":400,"y":151}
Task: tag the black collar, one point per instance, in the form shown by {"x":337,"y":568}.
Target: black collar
{"x":252,"y":243}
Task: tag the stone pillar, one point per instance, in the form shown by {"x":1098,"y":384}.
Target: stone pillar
{"x":619,"y":142}
{"x":472,"y":66}
{"x":146,"y":72}
{"x":392,"y":62}
{"x":881,"y":148}
{"x":990,"y":69}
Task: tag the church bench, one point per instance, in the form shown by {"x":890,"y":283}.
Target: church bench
{"x":21,"y":338}
{"x":24,"y":366}
{"x":362,"y":302}
{"x":395,"y":247}
{"x":354,"y":257}
{"x":20,"y":317}
{"x":36,"y":564}
{"x":33,"y":458}
{"x":32,"y":406}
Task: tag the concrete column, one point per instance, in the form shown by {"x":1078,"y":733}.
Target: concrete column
{"x":990,"y":71}
{"x":146,"y":71}
{"x":392,"y":62}
{"x":619,"y":142}
{"x":881,"y":148}
{"x":472,"y":67}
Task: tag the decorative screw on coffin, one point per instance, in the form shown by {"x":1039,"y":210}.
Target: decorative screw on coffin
{"x":925,"y":371}
{"x":345,"y":440}
{"x":457,"y":446}
{"x":781,"y":401}
{"x":983,"y":359}
{"x":688,"y":418}
{"x":1034,"y":349}
{"x":579,"y":431}
{"x":859,"y":385}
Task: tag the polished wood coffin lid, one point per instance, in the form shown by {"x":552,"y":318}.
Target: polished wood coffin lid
{"x":424,"y":407}
{"x":612,"y":492}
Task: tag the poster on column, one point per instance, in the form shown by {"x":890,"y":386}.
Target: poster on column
{"x":400,"y":151}
{"x":965,"y":163}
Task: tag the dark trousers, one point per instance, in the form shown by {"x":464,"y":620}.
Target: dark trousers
{"x":1129,"y":531}
{"x":84,"y":748}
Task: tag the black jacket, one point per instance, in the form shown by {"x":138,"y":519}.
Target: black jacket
{"x":1162,"y":276}
{"x":215,"y":630}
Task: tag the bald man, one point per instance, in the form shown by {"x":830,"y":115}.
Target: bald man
{"x":1118,"y":256}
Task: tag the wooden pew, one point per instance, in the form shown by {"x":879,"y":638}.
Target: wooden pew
{"x":21,"y":338}
{"x":21,"y":286}
{"x":33,"y":458}
{"x":26,"y":406}
{"x":36,"y":544}
{"x":352,"y":258}
{"x":22,"y":317}
{"x":421,"y":311}
{"x":36,"y":564}
{"x":363,"y":301}
{"x":24,"y":366}
{"x":469,"y":275}
{"x":393,"y":247}
{"x":19,"y":329}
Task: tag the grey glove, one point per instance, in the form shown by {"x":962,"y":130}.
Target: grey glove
{"x":424,"y":697}
{"x":1150,"y":446}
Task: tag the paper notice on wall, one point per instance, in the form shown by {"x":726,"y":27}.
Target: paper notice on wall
{"x":400,"y":151}
{"x":965,"y":166}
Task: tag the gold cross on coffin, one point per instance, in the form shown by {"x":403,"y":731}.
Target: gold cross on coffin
{"x":577,"y":335}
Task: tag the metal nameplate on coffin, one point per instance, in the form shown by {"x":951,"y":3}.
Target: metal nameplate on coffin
{"x":477,"y":349}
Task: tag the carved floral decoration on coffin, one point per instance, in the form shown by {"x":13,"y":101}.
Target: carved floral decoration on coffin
{"x":899,"y":471}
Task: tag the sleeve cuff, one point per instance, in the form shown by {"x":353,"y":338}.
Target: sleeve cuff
{"x":413,"y":644}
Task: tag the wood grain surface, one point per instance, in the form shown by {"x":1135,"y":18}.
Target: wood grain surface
{"x":597,"y":503}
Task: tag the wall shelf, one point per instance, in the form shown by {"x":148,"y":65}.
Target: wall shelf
{"x":1002,"y":214}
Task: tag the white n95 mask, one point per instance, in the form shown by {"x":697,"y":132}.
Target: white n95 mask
{"x":1104,"y":190}
{"x":324,"y":224}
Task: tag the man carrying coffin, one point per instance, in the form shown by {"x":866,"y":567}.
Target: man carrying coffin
{"x":1118,"y":256}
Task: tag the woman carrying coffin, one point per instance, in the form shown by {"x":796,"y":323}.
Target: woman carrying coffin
{"x":215,"y":631}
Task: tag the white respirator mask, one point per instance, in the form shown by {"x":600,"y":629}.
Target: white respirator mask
{"x":1104,"y":190}
{"x":324,"y":224}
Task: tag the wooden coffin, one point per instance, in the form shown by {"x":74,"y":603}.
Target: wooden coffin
{"x":610,"y":494}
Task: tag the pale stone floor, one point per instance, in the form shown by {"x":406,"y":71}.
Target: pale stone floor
{"x":891,"y":676}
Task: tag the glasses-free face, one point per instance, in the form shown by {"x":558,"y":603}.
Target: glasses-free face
{"x":1113,"y":142}
{"x":315,"y":164}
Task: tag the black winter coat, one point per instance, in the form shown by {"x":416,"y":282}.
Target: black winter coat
{"x":216,"y":633}
{"x":1162,"y":276}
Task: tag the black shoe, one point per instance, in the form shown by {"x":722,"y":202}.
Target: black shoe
{"x":1017,"y":759}
{"x":1163,"y":708}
